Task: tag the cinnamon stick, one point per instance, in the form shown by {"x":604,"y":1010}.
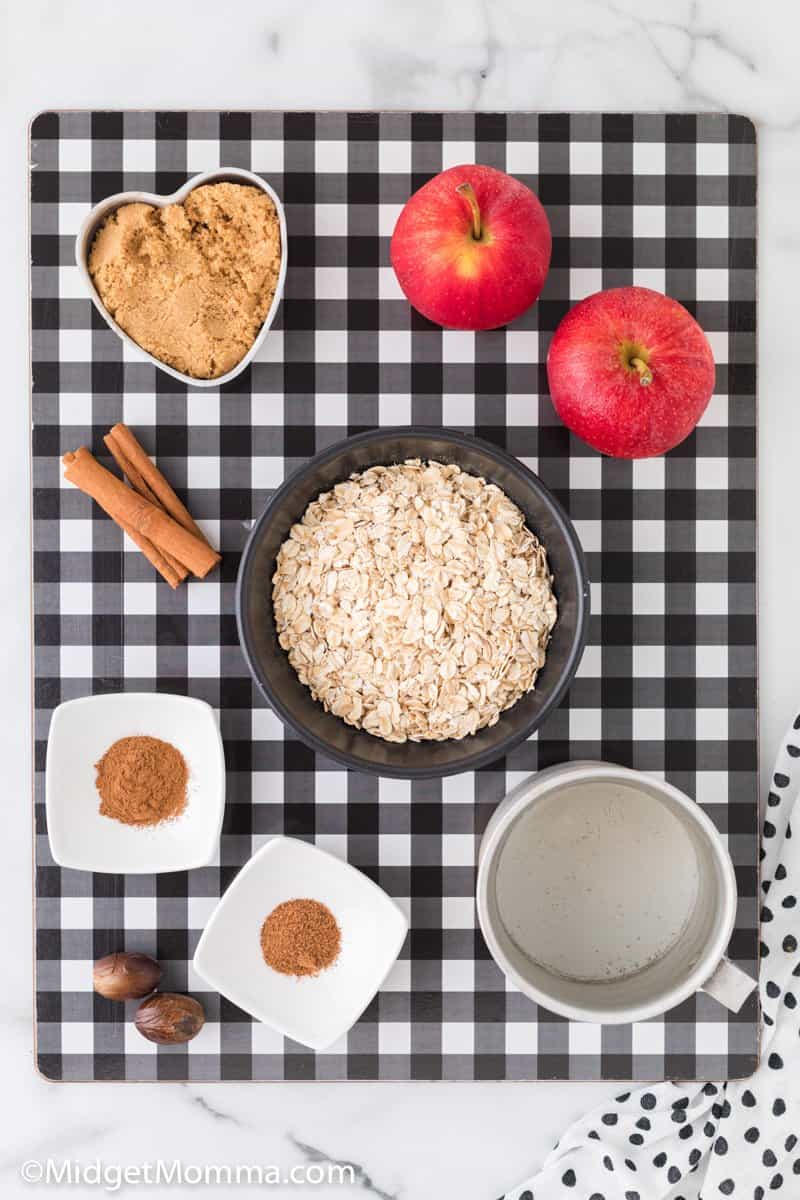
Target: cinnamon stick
{"x":146,"y":478}
{"x":140,"y":485}
{"x":169,"y":568}
{"x":161,"y":562}
{"x":127,"y":508}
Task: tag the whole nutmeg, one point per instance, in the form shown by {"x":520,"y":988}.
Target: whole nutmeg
{"x":126,"y":976}
{"x":168,"y":1018}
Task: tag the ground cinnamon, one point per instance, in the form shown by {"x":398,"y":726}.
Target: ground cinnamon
{"x":300,"y":937}
{"x":142,"y":781}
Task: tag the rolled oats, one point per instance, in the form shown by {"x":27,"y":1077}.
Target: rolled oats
{"x":414,"y":602}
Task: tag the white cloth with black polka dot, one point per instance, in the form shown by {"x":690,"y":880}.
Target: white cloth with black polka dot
{"x":702,"y":1142}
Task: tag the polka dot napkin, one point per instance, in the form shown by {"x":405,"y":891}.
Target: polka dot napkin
{"x":704,"y":1142}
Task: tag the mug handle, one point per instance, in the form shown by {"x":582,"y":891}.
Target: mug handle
{"x":730,"y":985}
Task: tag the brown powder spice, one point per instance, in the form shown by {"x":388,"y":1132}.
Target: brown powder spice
{"x":300,"y":937}
{"x":142,"y":781}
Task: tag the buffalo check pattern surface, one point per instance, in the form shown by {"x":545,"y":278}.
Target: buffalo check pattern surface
{"x":668,"y":681}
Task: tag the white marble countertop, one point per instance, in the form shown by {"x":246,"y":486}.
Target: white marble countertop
{"x":414,"y":1140}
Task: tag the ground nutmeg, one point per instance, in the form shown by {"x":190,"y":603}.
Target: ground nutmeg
{"x":142,"y":781}
{"x":300,"y":937}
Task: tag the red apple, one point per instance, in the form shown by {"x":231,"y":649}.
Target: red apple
{"x":471,"y":248}
{"x":631,"y":372}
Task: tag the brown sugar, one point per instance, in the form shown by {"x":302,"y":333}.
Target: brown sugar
{"x":300,"y":937}
{"x":191,"y":283}
{"x":142,"y":781}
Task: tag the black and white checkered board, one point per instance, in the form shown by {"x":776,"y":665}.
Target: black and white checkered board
{"x":668,"y":682}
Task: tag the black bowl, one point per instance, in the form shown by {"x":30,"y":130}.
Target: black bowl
{"x":292,"y":701}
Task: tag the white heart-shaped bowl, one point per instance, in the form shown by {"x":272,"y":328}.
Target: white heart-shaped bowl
{"x":86,"y":235}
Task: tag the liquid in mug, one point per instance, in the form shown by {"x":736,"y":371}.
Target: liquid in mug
{"x":597,"y":880}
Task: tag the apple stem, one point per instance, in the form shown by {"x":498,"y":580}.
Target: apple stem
{"x":645,"y":374}
{"x":468,"y":192}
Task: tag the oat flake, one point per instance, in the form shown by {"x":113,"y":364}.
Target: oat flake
{"x":414,"y":602}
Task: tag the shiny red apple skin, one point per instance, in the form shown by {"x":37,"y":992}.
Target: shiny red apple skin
{"x":602,"y":399}
{"x":462,"y":283}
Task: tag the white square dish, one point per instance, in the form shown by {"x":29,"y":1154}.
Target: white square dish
{"x":80,"y":733}
{"x":313,"y":1010}
{"x":83,"y":245}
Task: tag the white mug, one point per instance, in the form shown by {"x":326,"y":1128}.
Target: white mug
{"x":585,"y":931}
